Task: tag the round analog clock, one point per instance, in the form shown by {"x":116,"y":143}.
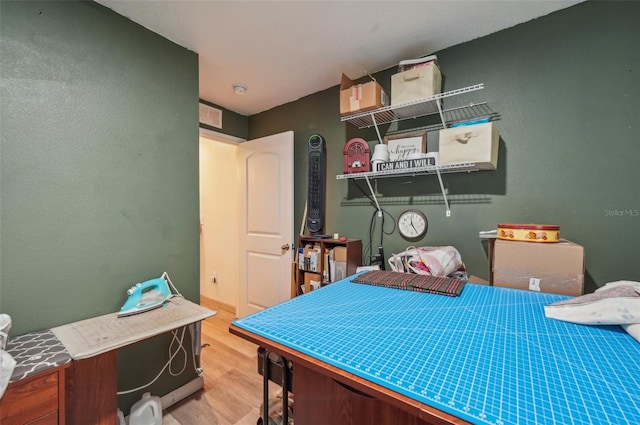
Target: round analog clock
{"x":413,"y":225}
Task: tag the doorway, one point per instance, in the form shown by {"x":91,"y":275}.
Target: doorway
{"x":246,"y":220}
{"x":219,"y":214}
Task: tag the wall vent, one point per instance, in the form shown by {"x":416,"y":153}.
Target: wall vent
{"x":210,"y":116}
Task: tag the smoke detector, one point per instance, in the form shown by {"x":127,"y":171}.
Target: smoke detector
{"x":239,"y":89}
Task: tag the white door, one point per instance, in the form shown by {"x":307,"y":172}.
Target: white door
{"x":266,"y":221}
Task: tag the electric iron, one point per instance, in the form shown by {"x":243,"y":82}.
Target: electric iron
{"x":146,"y":296}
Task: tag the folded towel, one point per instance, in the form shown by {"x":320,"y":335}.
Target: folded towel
{"x":412,"y":282}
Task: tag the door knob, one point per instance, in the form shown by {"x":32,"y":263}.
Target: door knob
{"x":285,"y":247}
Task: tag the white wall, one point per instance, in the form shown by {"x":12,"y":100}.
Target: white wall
{"x":219,"y":220}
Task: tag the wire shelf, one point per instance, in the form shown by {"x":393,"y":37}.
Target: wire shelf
{"x":421,"y":107}
{"x":456,"y":115}
{"x":417,"y":171}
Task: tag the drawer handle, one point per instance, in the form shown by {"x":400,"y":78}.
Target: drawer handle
{"x":353,"y":390}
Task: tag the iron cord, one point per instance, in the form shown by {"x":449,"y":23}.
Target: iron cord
{"x":179,"y":348}
{"x":172,"y":354}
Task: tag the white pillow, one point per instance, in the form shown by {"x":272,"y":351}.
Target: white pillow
{"x":616,"y":303}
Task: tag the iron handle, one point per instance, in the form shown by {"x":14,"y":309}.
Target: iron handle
{"x":285,"y":247}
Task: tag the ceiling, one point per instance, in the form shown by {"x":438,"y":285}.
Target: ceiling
{"x":284,"y":50}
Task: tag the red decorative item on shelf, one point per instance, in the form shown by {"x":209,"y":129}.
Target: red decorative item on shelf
{"x":356,"y":156}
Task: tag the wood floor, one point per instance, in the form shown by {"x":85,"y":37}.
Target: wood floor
{"x":232,"y":391}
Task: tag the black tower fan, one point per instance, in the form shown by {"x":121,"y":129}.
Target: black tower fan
{"x":316,"y":184}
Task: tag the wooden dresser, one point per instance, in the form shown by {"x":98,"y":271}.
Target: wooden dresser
{"x":36,"y":392}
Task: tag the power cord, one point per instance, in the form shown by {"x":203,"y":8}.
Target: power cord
{"x":172,"y":354}
{"x":368,"y":250}
{"x":168,"y":364}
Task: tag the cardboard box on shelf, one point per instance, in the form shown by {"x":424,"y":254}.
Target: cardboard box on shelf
{"x":340,"y":254}
{"x":337,"y":263}
{"x":416,"y":83}
{"x":552,"y":267}
{"x":476,"y":143}
{"x":311,"y":281}
{"x":360,"y":97}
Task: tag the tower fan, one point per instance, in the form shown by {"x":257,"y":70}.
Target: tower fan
{"x":316,"y":184}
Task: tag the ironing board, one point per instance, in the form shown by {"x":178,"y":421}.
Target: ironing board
{"x":92,"y":381}
{"x":489,"y":356}
{"x":98,"y":335}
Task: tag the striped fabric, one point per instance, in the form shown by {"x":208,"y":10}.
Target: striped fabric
{"x":412,"y":282}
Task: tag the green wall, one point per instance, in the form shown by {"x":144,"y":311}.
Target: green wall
{"x":566,"y":88}
{"x":99,"y":167}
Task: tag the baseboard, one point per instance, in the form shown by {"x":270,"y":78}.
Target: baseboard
{"x":216,"y":305}
{"x":182,"y":392}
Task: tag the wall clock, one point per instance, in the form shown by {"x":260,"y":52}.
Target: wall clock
{"x":413,"y":225}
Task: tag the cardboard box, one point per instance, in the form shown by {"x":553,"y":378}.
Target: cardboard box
{"x":477,"y":280}
{"x":544,"y":267}
{"x":360,"y":97}
{"x":340,"y":254}
{"x":312,"y":281}
{"x":470,"y":143}
{"x":416,"y":83}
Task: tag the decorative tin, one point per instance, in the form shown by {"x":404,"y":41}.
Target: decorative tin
{"x":529,"y":232}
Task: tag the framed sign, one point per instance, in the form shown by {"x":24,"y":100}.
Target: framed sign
{"x":403,"y":145}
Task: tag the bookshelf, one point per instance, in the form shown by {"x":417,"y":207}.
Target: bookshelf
{"x":316,"y":260}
